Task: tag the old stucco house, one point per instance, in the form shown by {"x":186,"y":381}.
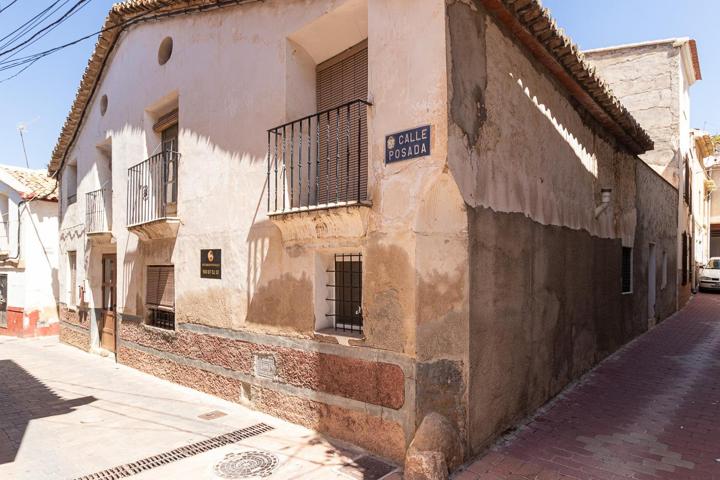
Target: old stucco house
{"x":653,"y":81}
{"x":28,"y":252}
{"x":353,"y":213}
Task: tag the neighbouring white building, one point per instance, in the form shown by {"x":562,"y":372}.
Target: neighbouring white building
{"x":701,"y":187}
{"x":28,"y":252}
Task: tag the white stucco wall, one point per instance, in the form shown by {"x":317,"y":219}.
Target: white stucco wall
{"x":234,"y":73}
{"x":32,"y":269}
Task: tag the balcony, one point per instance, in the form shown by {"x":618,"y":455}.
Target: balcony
{"x":319,"y":161}
{"x":152,"y":197}
{"x":317,"y":173}
{"x":98,"y":214}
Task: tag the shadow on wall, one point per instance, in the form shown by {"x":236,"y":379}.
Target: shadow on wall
{"x":276,"y":299}
{"x":561,"y":309}
{"x":24,"y":398}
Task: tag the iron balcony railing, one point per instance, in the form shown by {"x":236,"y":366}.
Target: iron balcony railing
{"x":319,"y":161}
{"x":97,"y":211}
{"x":152,"y":188}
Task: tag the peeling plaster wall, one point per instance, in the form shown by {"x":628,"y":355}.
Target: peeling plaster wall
{"x":545,"y":295}
{"x":657,"y":224}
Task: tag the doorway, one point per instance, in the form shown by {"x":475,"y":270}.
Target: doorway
{"x":652,"y":273}
{"x":3,"y":300}
{"x":109,"y":295}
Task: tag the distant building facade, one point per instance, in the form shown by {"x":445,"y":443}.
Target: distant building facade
{"x":653,"y":81}
{"x":28,"y":253}
{"x":351,"y":221}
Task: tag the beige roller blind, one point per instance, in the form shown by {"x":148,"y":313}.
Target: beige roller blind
{"x":339,"y":80}
{"x":160,"y":288}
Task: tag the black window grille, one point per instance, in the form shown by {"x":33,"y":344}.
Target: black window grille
{"x":626,"y":269}
{"x":686,"y":189}
{"x":346,"y":286}
{"x":162,"y":319}
{"x":685,"y":255}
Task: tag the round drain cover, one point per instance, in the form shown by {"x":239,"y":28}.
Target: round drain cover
{"x":246,"y":465}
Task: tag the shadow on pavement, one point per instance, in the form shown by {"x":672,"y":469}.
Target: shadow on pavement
{"x":24,"y":398}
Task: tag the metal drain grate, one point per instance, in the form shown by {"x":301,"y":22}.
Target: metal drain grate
{"x":193,"y":449}
{"x":250,"y":464}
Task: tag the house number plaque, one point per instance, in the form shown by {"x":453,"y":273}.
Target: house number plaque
{"x":210,"y":263}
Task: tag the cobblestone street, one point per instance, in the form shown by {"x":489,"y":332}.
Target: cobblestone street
{"x":65,"y":414}
{"x":648,"y":412}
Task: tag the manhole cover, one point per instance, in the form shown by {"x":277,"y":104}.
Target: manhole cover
{"x":246,"y":465}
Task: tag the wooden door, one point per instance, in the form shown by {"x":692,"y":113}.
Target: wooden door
{"x":109,"y":294}
{"x":3,"y":300}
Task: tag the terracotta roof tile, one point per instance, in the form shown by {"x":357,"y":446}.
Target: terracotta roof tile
{"x":37,"y":183}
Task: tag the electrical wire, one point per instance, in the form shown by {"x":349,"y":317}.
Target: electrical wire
{"x":9,"y":64}
{"x":78,"y":5}
{"x":8,"y":6}
{"x":32,"y":22}
{"x":28,"y":44}
{"x":145,"y":16}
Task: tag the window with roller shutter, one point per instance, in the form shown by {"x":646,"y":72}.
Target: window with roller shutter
{"x":160,"y":296}
{"x":339,"y":81}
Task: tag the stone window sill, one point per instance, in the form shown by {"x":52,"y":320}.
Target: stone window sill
{"x":162,"y":331}
{"x":340,"y":337}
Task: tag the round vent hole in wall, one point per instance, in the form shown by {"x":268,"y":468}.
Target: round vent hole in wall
{"x":165,"y":50}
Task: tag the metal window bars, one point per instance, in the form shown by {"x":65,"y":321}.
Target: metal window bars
{"x":319,"y":160}
{"x":152,"y":186}
{"x":161,"y":318}
{"x":346,"y":285}
{"x":97,"y":218}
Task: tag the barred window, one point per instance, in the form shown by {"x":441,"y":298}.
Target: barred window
{"x":626,"y":270}
{"x":346,"y":285}
{"x":160,"y":296}
{"x":685,"y":255}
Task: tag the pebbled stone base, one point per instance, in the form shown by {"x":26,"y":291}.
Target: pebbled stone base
{"x":75,"y":337}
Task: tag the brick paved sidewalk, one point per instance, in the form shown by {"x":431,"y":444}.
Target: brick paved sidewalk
{"x":651,"y":411}
{"x":65,"y":413}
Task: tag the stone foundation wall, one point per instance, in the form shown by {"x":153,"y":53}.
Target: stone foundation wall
{"x":358,"y":397}
{"x":75,"y":337}
{"x":74,"y":328}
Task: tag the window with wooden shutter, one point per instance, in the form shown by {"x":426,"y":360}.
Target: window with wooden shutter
{"x":340,"y":80}
{"x":160,"y":290}
{"x":160,"y":296}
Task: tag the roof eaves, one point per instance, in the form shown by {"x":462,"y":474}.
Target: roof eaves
{"x":114,"y":25}
{"x":535,"y":28}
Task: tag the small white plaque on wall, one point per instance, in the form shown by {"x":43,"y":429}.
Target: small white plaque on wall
{"x":265,"y":365}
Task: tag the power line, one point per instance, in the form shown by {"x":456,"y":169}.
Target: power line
{"x":29,"y":43}
{"x":79,"y":4}
{"x":28,"y":60}
{"x":8,"y":6}
{"x":31,"y":23}
{"x":142,"y":17}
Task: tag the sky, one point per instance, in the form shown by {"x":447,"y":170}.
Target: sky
{"x":40,"y":98}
